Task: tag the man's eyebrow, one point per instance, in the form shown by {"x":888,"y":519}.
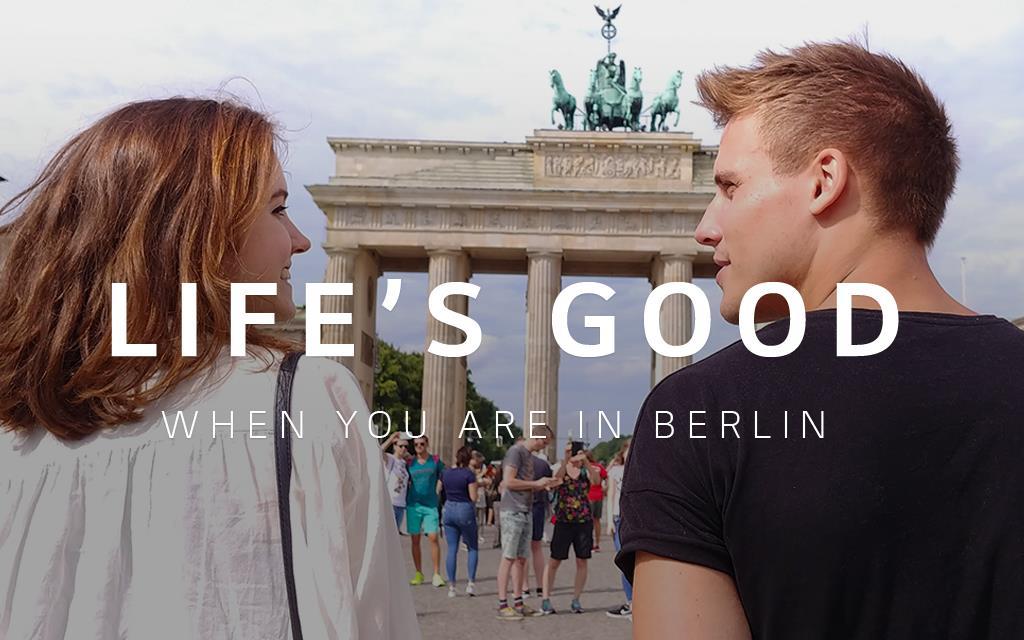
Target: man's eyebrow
{"x":280,"y":193}
{"x":723,"y":178}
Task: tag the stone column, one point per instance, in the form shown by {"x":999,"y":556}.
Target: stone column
{"x":361,"y":267}
{"x":543,"y":283}
{"x":676,"y":313}
{"x":444,"y":379}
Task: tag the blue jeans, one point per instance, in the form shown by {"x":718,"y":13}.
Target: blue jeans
{"x":399,"y":513}
{"x":628,"y":588}
{"x":459,"y":520}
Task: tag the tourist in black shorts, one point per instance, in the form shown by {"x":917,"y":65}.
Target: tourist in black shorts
{"x":574,"y":525}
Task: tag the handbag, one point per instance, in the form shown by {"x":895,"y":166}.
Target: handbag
{"x":283,"y":464}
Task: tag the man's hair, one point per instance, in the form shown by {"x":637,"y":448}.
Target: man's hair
{"x":542,"y":431}
{"x":870,"y":106}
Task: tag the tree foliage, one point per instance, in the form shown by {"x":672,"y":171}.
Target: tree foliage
{"x":606,"y":450}
{"x":398,"y":388}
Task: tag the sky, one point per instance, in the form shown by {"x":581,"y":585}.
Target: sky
{"x":478,"y":71}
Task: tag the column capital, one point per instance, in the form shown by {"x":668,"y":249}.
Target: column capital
{"x":544,"y":253}
{"x":685,"y":255}
{"x":444,"y":250}
{"x":672,"y":266}
{"x":336,"y":250}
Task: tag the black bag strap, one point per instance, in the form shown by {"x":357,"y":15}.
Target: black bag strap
{"x":283,"y":462}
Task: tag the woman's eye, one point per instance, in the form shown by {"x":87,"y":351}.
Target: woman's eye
{"x":282,"y":210}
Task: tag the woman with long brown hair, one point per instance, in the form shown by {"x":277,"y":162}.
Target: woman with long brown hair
{"x":139,"y":492}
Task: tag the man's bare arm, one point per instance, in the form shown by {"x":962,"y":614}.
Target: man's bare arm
{"x":701,"y":603}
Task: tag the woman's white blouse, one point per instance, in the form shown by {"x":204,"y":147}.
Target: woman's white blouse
{"x":132,"y":533}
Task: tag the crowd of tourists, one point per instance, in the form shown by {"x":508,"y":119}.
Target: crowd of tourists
{"x":518,"y":495}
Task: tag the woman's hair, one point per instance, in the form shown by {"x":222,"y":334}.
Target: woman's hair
{"x":155,"y":194}
{"x":462,"y":456}
{"x":393,"y":445}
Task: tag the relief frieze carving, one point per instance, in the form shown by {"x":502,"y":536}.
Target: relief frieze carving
{"x":598,"y":165}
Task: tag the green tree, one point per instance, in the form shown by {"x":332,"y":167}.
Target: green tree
{"x":606,"y":450}
{"x":398,"y":387}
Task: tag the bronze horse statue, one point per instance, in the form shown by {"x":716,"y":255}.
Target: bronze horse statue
{"x":666,"y":102}
{"x":635,"y":99}
{"x":562,"y":102}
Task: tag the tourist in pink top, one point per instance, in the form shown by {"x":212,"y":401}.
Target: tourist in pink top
{"x":596,"y":497}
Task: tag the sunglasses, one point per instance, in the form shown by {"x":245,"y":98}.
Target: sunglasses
{"x":403,"y":446}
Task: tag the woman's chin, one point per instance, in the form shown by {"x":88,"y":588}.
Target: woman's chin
{"x":284,"y":310}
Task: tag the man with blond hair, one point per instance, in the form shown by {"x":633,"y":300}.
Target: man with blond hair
{"x":904,"y":517}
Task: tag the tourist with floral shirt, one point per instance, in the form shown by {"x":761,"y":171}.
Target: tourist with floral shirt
{"x":574,"y":524}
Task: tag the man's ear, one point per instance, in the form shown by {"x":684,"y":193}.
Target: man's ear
{"x":829,"y":173}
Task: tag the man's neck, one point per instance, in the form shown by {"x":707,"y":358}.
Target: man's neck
{"x":423,"y":457}
{"x":896,"y":263}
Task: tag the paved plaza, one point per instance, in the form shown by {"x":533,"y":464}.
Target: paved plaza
{"x":463,"y":617}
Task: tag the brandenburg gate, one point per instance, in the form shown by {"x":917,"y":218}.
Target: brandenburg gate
{"x":564,"y":203}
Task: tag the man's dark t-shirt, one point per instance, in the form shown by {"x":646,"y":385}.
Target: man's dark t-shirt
{"x":906,"y":520}
{"x":541,"y":469}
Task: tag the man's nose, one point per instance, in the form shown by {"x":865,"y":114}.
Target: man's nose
{"x":708,"y":232}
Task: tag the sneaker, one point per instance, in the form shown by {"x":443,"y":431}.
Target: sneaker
{"x":451,"y":591}
{"x":438,"y":581}
{"x":625,"y":611}
{"x":576,"y":606}
{"x":540,"y":592}
{"x":545,"y":608}
{"x":528,"y":612}
{"x":526,"y":595}
{"x":471,"y":589}
{"x":508,"y":613}
{"x":416,"y":579}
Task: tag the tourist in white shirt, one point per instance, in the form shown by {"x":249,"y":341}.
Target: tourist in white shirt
{"x":615,"y":475}
{"x":397,"y":473}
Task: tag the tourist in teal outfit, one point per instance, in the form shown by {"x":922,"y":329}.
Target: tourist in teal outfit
{"x":421,"y":515}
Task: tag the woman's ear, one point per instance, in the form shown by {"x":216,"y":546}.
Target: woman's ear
{"x":829,"y":173}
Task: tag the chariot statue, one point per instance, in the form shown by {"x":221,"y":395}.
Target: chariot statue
{"x":609,"y":103}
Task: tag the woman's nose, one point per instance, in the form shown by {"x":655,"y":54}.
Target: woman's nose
{"x":300,"y":243}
